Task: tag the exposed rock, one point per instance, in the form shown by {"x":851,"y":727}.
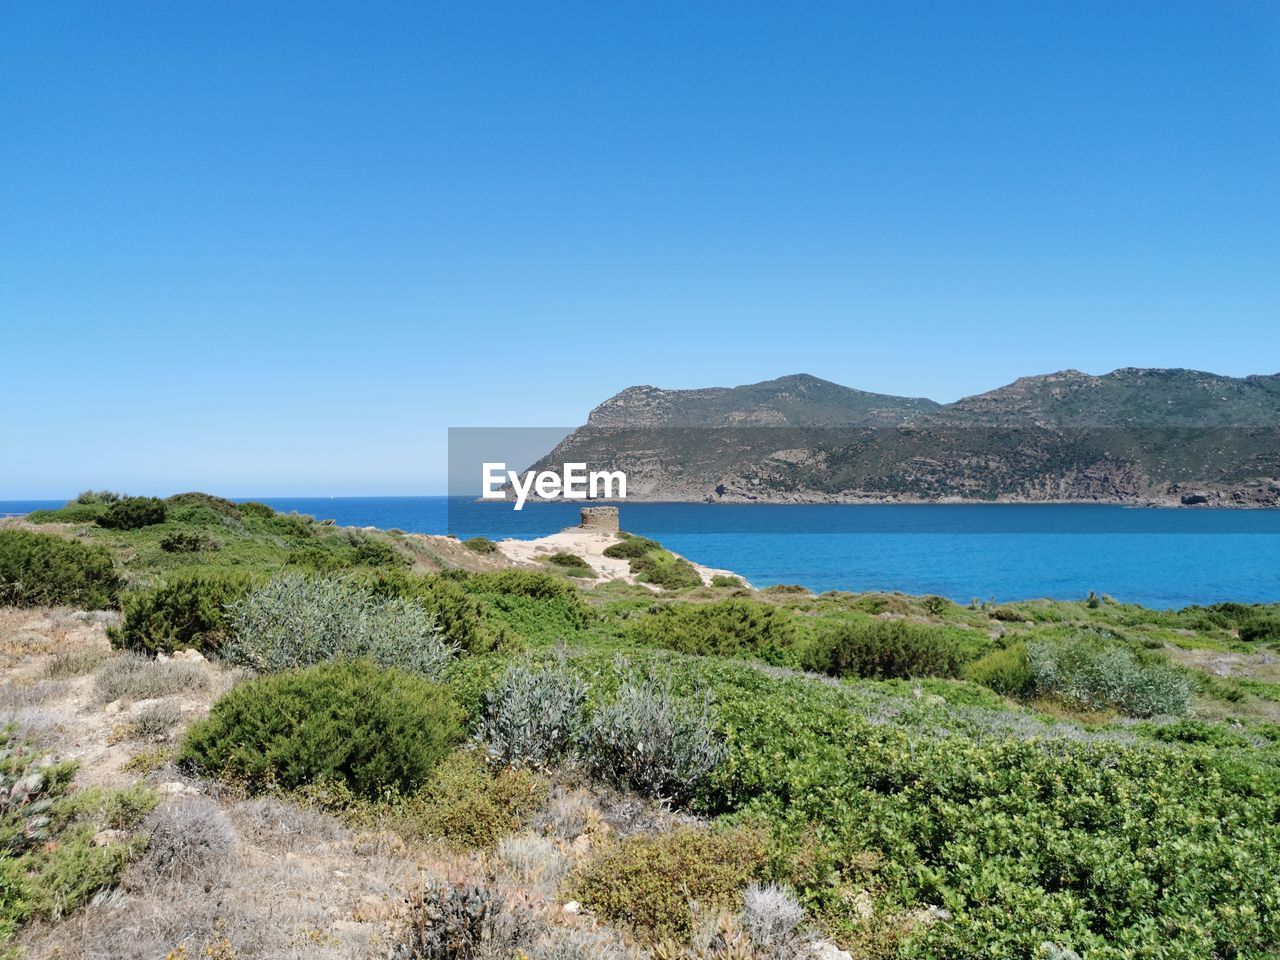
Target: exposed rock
{"x":826,"y":950}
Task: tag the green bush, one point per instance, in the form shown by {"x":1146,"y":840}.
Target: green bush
{"x":631,"y":548}
{"x":525,"y":583}
{"x":218,"y":506}
{"x":98,"y":497}
{"x":648,"y":883}
{"x":459,"y":615}
{"x":569,"y":560}
{"x":296,"y":621}
{"x":724,"y":580}
{"x":71,"y":513}
{"x":186,"y":611}
{"x":184,"y":541}
{"x":1261,"y":626}
{"x":133,"y":513}
{"x":368,"y":728}
{"x":1006,"y":671}
{"x":469,"y":804}
{"x":38,"y":569}
{"x":251,"y":508}
{"x":1093,"y":673}
{"x":534,"y":714}
{"x":726,"y":628}
{"x":652,"y":739}
{"x":49,"y":865}
{"x":1114,"y":846}
{"x":666,"y":571}
{"x":884,"y":649}
{"x":480,"y":545}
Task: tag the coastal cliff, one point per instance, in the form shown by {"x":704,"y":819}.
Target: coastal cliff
{"x":1134,"y":436}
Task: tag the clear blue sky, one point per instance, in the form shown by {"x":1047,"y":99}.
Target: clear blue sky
{"x":277,"y":248}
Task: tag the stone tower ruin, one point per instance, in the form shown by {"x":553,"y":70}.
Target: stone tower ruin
{"x":604,"y":519}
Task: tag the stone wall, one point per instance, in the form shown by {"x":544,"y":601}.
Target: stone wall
{"x":600,"y":518}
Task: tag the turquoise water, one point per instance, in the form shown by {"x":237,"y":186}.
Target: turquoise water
{"x":1162,"y":558}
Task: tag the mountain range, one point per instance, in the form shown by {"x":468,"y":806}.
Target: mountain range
{"x":1134,"y":436}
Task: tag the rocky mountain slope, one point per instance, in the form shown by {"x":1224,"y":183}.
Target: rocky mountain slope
{"x":1160,"y":436}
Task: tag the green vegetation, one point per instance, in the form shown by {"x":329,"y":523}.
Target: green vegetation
{"x":366,"y":728}
{"x":132,"y":513}
{"x":572,"y":564}
{"x":185,"y":611}
{"x":727,"y":628}
{"x":295,"y":621}
{"x":470,"y":804}
{"x":882,"y":649}
{"x":1088,"y":671}
{"x":930,"y":779}
{"x":37,"y":569}
{"x":647,"y":882}
{"x":480,"y":545}
{"x":49,"y":864}
{"x":650,"y":563}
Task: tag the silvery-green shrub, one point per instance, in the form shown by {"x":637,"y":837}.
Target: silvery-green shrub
{"x":295,"y":621}
{"x":534,"y":713}
{"x":577,"y":944}
{"x":771,"y":918}
{"x":1098,"y":675}
{"x":652,"y":739}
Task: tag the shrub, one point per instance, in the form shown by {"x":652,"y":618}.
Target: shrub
{"x":570,"y":943}
{"x":133,"y":513}
{"x":1097,"y":675}
{"x":1006,"y":671}
{"x":675,"y":573}
{"x":724,"y":580}
{"x":98,"y":496}
{"x":188,"y":837}
{"x":184,"y":541}
{"x":1262,"y":625}
{"x":131,"y":676}
{"x":884,"y":649}
{"x":368,"y":728}
{"x":631,"y":548}
{"x":1007,"y":615}
{"x":725,"y":628}
{"x":260,"y":511}
{"x":936,"y":606}
{"x":71,"y":513}
{"x":295,"y":621}
{"x":647,"y":882}
{"x":185,"y":611}
{"x":155,"y":721}
{"x":533,"y":714}
{"x":480,"y":545}
{"x":38,"y":569}
{"x":459,"y":614}
{"x":217,"y":506}
{"x":533,"y":859}
{"x":525,"y":583}
{"x":653,"y":740}
{"x":771,"y":917}
{"x":74,"y":663}
{"x":447,"y":922}
{"x":48,"y":863}
{"x":470,"y":804}
{"x":573,"y":564}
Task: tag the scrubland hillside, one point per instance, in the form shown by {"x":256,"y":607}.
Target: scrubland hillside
{"x":232,"y":733}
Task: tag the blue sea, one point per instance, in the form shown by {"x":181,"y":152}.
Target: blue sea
{"x":1156,"y":557}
